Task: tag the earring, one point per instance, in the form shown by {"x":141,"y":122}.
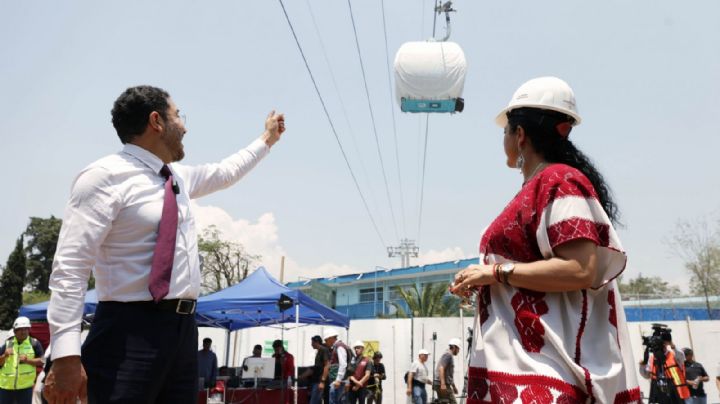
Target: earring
{"x":520,"y":161}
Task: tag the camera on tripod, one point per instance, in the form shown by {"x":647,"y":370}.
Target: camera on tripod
{"x":655,"y":342}
{"x":666,"y":380}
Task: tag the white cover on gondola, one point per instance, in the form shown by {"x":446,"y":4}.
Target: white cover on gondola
{"x":429,"y":71}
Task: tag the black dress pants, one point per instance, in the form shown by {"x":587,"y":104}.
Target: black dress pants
{"x":136,"y":353}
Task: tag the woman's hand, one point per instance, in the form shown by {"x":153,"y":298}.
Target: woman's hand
{"x":472,"y":277}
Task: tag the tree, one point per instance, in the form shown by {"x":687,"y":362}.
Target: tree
{"x":11,"y":286}
{"x":698,"y":244}
{"x":41,"y":237}
{"x":431,"y":301}
{"x":647,"y":287}
{"x":224,"y":263}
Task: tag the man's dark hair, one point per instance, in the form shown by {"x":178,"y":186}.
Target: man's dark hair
{"x":277,"y":343}
{"x":258,"y":346}
{"x":207,"y":340}
{"x":317,"y":339}
{"x":131,"y":111}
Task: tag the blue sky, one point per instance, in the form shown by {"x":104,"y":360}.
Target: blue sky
{"x":646,"y":76}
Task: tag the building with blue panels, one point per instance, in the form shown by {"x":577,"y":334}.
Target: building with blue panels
{"x":371,"y":294}
{"x":671,"y":308}
{"x":374,"y":294}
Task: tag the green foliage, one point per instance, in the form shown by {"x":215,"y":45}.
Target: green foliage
{"x":41,"y":237}
{"x":224,"y":263}
{"x":647,"y":287}
{"x":11,"y":286}
{"x":35,"y":296}
{"x":432,"y":301}
{"x":698,"y":244}
{"x":706,"y":273}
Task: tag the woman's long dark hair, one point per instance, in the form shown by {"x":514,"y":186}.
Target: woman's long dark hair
{"x":544,"y":128}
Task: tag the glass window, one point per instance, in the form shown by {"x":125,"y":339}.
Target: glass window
{"x":366,"y":295}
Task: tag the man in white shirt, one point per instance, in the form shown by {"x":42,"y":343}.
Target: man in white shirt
{"x":339,"y":355}
{"x":417,"y":378}
{"x":129,"y":221}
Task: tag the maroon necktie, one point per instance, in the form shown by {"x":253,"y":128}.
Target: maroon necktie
{"x":164,"y":253}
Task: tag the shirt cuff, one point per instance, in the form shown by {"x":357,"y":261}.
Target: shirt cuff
{"x":258,"y":147}
{"x":65,"y":344}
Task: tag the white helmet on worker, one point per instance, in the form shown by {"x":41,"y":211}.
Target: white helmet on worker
{"x":21,"y":322}
{"x":358,"y":343}
{"x":329,"y":333}
{"x":455,"y":342}
{"x":542,"y":93}
{"x":423,"y":352}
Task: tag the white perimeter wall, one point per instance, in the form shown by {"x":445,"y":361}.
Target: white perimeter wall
{"x":395,"y":335}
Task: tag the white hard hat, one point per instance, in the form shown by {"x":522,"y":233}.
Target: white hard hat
{"x":329,"y":333}
{"x":358,"y":343}
{"x":543,"y":93}
{"x":455,"y":342}
{"x":423,"y":352}
{"x":21,"y":322}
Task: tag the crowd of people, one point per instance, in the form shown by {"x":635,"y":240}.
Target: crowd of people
{"x":341,"y":374}
{"x":338,"y":375}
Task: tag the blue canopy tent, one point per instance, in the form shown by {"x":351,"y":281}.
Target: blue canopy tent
{"x":38,"y":311}
{"x":254,"y":303}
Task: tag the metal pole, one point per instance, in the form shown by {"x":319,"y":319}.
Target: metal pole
{"x":375,"y":295}
{"x":687,"y":323}
{"x":297,"y":348}
{"x":393,"y":363}
{"x":412,"y":334}
{"x":227,"y":347}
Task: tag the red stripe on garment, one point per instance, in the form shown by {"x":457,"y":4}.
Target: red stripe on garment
{"x":628,"y":396}
{"x":576,"y":228}
{"x":578,"y":349}
{"x":481,"y":380}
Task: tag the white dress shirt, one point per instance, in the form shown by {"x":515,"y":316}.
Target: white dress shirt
{"x":110,"y":227}
{"x":342,"y":361}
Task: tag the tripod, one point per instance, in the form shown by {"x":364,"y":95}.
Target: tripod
{"x":434,"y":340}
{"x":662,"y":388}
{"x":463,"y":395}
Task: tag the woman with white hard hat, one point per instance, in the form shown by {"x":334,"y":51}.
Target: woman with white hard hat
{"x":550,"y":326}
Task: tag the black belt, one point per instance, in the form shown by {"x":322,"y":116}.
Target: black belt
{"x":179,"y":306}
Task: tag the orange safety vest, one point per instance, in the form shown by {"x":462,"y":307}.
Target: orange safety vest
{"x":673,"y":372}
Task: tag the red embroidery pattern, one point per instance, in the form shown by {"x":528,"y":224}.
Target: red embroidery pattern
{"x":613,"y":312}
{"x":578,"y":228}
{"x":477,"y":390}
{"x":536,"y":394}
{"x":529,"y":306}
{"x":628,"y":396}
{"x":512,"y":234}
{"x":483,"y":303}
{"x":503,"y":393}
{"x":504,"y":388}
{"x":567,"y":399}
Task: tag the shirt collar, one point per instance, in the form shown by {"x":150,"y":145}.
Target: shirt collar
{"x":145,"y":156}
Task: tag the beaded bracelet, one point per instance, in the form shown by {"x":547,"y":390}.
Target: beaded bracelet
{"x":496,"y":273}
